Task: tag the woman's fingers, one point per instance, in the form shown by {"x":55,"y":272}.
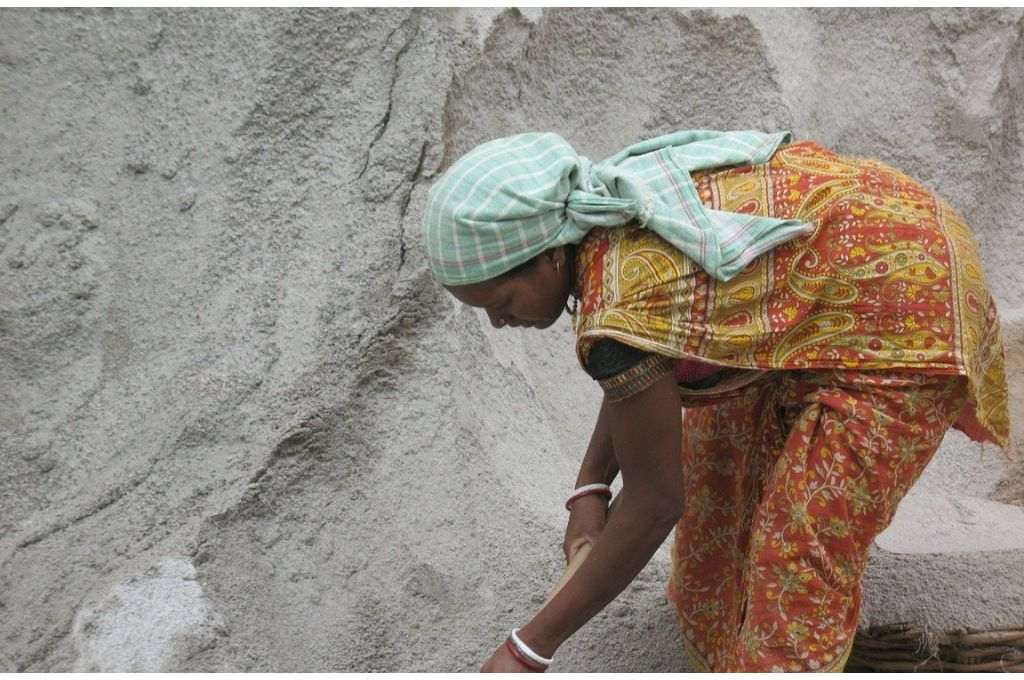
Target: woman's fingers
{"x":573,"y":546}
{"x":575,"y":539}
{"x":586,"y":523}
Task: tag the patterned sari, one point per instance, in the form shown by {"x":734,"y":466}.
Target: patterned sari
{"x":848,"y":353}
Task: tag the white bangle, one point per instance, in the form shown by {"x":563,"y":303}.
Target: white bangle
{"x":526,"y":651}
{"x":586,"y":490}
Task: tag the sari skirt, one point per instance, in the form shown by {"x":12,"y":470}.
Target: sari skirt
{"x":787,"y":482}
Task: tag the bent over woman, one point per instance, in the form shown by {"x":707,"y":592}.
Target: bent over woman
{"x":820,"y":321}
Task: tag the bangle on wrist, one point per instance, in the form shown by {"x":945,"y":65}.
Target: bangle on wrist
{"x":526,"y":656}
{"x":588,"y":490}
{"x":521,"y":658}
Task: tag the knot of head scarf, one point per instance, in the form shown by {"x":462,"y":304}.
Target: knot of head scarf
{"x":510,"y":199}
{"x":606,"y":196}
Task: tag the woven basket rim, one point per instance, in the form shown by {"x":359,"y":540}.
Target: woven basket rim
{"x":910,"y":647}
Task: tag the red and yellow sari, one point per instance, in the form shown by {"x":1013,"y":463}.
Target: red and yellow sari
{"x":847,"y":355}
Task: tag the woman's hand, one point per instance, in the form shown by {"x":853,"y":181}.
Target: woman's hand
{"x":502,"y":661}
{"x":586,"y":522}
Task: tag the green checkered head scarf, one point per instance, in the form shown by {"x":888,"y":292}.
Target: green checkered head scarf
{"x":510,"y":199}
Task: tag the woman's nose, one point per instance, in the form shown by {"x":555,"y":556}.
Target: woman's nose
{"x":496,"y":319}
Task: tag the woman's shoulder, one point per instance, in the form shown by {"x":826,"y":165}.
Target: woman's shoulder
{"x":617,"y":265}
{"x":629,"y":281}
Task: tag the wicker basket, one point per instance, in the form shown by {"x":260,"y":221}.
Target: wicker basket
{"x":904,"y":647}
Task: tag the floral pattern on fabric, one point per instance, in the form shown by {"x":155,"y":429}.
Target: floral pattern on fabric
{"x":788,"y":481}
{"x":890,"y":279}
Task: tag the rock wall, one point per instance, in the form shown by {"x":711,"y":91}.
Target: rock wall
{"x":240,"y":427}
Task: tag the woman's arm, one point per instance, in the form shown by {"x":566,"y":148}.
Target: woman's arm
{"x":588,"y":515}
{"x":645,"y":433}
{"x":599,"y":464}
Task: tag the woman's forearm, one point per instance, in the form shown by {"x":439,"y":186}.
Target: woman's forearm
{"x":633,"y":534}
{"x":599,"y":464}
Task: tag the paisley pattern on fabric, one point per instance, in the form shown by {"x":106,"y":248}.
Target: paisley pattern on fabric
{"x":788,"y":481}
{"x":889,"y":279}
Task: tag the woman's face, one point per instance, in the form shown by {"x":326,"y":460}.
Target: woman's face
{"x":532,"y":296}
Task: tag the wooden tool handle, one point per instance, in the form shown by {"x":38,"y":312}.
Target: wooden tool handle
{"x":577,"y":559}
{"x":570,"y":569}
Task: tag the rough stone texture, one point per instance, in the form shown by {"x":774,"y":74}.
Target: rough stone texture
{"x":221,"y":350}
{"x":149,"y":622}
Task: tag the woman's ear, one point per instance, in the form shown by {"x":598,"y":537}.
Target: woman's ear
{"x":558,"y":257}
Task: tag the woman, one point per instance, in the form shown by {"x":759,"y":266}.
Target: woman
{"x":822,"y":319}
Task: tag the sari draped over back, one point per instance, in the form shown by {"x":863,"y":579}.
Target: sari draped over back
{"x":890,"y":279}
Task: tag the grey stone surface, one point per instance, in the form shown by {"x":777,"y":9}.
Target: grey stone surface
{"x":220,"y":344}
{"x":149,"y":623}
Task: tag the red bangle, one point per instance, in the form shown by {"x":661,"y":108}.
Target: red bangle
{"x":531,"y":665}
{"x":587,"y":492}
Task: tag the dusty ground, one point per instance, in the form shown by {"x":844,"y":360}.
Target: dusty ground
{"x":242,"y":430}
{"x":1011,"y":489}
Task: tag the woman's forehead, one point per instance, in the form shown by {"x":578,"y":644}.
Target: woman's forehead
{"x":481,"y":294}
